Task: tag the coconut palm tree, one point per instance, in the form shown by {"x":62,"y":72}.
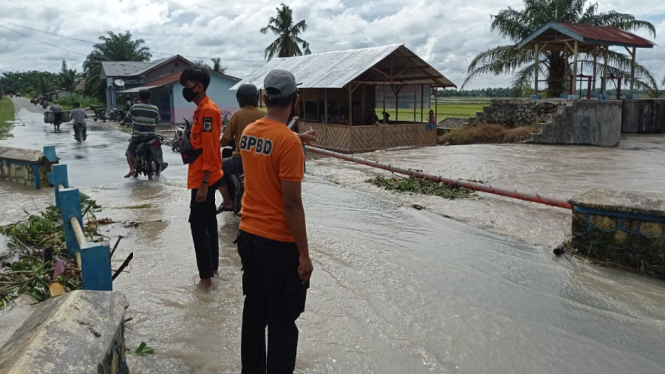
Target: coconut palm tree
{"x":217,"y":65}
{"x":113,"y":47}
{"x":516,"y":25}
{"x":288,"y":40}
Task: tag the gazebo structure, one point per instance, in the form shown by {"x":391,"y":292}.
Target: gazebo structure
{"x":576,"y":39}
{"x":338,"y":92}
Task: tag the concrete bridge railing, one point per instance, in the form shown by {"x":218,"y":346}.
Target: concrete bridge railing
{"x":26,"y":166}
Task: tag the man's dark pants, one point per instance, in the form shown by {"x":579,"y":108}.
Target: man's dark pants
{"x":203,"y":222}
{"x":274,"y":297}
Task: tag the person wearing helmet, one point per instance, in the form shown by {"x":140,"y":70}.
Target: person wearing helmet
{"x":248,"y":100}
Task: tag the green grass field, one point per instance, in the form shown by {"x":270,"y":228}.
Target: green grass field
{"x":6,"y":115}
{"x":445,"y":110}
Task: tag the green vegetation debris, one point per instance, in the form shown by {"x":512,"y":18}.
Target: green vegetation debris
{"x":6,"y":116}
{"x":144,"y":350}
{"x":40,"y":241}
{"x":422,"y":186}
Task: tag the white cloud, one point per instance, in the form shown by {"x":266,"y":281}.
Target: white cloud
{"x":448,"y":34}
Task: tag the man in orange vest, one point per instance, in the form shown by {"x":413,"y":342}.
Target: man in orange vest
{"x":205,"y":172}
{"x":272,"y":241}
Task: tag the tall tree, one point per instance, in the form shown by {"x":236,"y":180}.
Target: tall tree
{"x":113,"y":47}
{"x":201,"y":64}
{"x":67,"y":78}
{"x":217,"y":65}
{"x":516,"y":25}
{"x":288,"y":40}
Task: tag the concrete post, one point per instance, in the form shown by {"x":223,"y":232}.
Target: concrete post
{"x":70,"y":206}
{"x":574,"y":80}
{"x":49,"y":153}
{"x":96,"y":267}
{"x":535,"y":86}
{"x":57,"y":177}
{"x":632,"y":72}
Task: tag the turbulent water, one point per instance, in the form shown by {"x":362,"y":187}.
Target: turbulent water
{"x":394,"y":290}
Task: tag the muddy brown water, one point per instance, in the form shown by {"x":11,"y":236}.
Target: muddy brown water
{"x":395,"y":290}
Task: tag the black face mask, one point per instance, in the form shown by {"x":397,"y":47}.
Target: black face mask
{"x":188,"y":93}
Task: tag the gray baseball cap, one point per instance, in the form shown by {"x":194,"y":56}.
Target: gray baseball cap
{"x":281,"y":82}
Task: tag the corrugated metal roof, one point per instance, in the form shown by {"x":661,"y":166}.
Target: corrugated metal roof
{"x":125,"y":68}
{"x":588,"y":36}
{"x":608,"y":35}
{"x":337,"y":69}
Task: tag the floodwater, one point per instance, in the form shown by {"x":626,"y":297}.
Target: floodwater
{"x":394,"y":290}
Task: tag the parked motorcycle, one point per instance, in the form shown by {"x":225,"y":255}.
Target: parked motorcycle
{"x":148,"y":159}
{"x":179,"y":133}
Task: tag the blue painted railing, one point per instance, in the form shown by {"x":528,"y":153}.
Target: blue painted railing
{"x":93,"y":258}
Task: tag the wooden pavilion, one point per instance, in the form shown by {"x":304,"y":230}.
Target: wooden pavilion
{"x":338,"y":93}
{"x":576,"y":39}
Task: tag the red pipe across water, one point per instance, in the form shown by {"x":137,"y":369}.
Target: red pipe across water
{"x":535,"y":198}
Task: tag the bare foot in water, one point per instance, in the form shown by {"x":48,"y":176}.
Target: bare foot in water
{"x":205,"y":284}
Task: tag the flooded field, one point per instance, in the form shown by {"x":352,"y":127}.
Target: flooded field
{"x":394,"y":290}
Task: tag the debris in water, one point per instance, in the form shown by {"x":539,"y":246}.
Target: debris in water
{"x":105,"y":221}
{"x":417,"y":207}
{"x":422,"y":186}
{"x":142,"y":206}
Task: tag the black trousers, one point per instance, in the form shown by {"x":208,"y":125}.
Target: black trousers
{"x":274,"y":297}
{"x":203,"y":223}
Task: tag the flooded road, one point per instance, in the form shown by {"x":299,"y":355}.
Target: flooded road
{"x":394,"y":290}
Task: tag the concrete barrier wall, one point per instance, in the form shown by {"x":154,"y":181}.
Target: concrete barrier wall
{"x":643,"y":116}
{"x":79,"y":332}
{"x":584,"y":123}
{"x":517,"y":112}
{"x":26,"y":166}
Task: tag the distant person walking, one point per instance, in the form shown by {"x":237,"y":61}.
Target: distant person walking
{"x":57,"y":116}
{"x":272,"y":241}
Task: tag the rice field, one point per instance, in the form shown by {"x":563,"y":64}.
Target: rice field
{"x":454,"y":109}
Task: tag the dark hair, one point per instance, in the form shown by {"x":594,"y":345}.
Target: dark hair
{"x":431,"y":111}
{"x":144,"y":95}
{"x":195,"y":74}
{"x":77,"y":104}
{"x":282,"y":102}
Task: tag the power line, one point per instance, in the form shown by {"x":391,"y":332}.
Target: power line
{"x":41,"y":41}
{"x":92,"y":42}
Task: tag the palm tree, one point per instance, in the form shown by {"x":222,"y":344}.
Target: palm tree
{"x":113,"y":47}
{"x":516,"y":25}
{"x":217,"y":65}
{"x":201,"y":64}
{"x":288,"y":39}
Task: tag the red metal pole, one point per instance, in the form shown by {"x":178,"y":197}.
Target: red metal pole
{"x":588,"y":90}
{"x":571,"y":89}
{"x":535,"y":198}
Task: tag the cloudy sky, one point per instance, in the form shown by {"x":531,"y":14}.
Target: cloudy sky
{"x":446,"y":33}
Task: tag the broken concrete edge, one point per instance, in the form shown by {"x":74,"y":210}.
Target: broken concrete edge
{"x":80,"y":332}
{"x":19,"y":154}
{"x":645,"y":205}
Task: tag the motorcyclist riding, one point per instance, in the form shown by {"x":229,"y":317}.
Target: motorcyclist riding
{"x":144,"y":118}
{"x":248,"y":100}
{"x":78,"y":118}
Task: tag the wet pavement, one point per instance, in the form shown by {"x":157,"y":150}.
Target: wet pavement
{"x":394,"y":290}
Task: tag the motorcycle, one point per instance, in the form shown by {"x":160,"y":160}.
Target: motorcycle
{"x":44,"y":104}
{"x":179,"y":133}
{"x":235,"y":184}
{"x":80,"y":132}
{"x":148,"y":158}
{"x":116,"y":115}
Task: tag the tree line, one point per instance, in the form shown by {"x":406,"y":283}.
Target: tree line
{"x":123,"y":47}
